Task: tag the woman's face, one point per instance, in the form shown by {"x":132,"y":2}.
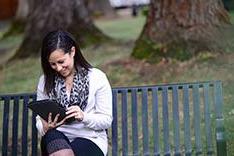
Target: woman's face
{"x":62,"y":62}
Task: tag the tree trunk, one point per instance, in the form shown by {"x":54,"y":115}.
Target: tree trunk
{"x":100,"y":8}
{"x":180,"y":29}
{"x":24,"y":9}
{"x":70,"y":15}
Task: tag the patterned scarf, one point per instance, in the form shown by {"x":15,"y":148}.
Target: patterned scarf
{"x":79,"y":92}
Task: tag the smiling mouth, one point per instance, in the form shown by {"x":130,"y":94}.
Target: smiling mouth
{"x":63,"y":72}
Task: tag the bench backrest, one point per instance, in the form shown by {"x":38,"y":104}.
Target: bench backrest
{"x":171,"y":119}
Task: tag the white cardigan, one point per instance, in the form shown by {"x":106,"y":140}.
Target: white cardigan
{"x":97,"y":114}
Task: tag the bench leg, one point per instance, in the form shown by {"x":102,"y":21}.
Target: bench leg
{"x":220,"y":138}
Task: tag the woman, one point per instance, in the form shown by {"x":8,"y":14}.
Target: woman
{"x":85,"y":93}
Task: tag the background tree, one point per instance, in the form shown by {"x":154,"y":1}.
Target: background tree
{"x":7,"y":8}
{"x":24,"y":9}
{"x":180,"y":28}
{"x":228,"y":4}
{"x":99,"y":8}
{"x":49,"y":15}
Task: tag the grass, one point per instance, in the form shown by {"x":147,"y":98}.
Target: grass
{"x":124,"y":29}
{"x":22,"y":76}
{"x":24,"y":73}
{"x":231,"y":13}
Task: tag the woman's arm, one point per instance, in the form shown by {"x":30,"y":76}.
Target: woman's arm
{"x":102,"y":117}
{"x":40,"y":96}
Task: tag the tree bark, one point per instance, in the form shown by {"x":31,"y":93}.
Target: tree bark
{"x":180,"y":28}
{"x":70,"y":15}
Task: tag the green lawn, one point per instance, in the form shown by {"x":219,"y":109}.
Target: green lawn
{"x":123,"y":29}
{"x":232,"y":16}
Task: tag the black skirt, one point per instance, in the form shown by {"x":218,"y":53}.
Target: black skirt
{"x":55,"y":140}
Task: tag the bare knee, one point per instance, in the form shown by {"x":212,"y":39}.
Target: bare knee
{"x":63,"y":152}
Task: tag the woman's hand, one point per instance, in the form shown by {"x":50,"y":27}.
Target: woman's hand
{"x":51,"y":124}
{"x":75,"y":111}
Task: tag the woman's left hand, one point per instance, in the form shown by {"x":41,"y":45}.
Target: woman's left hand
{"x":75,"y":111}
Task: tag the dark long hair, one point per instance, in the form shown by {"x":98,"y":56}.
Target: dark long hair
{"x":59,"y":40}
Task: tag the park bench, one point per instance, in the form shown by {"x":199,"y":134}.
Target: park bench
{"x":171,"y":119}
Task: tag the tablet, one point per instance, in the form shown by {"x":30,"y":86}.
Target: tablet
{"x":44,"y":107}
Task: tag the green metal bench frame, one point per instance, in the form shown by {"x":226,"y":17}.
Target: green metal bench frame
{"x":170,"y":119}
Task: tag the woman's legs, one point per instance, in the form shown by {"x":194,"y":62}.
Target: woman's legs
{"x":55,"y":143}
{"x":85,"y":147}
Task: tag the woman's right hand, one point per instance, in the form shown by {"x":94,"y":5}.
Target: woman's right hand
{"x":47,"y":125}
